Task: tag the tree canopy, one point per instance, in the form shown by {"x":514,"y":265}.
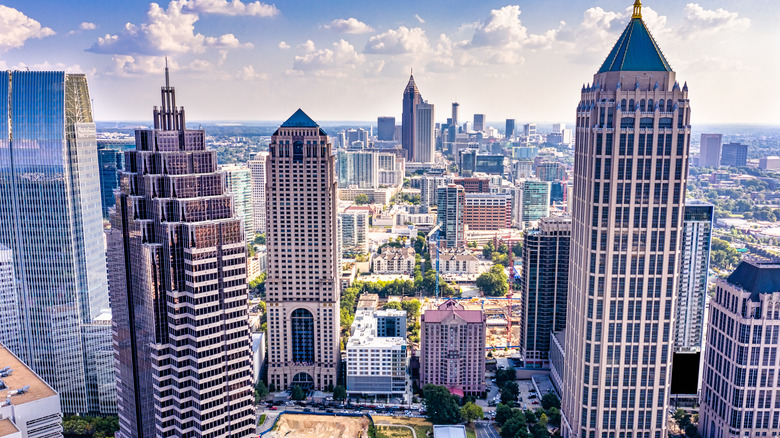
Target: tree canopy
{"x":441,"y":407}
{"x":494,"y":282}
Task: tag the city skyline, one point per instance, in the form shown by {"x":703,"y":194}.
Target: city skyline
{"x":240,"y":53}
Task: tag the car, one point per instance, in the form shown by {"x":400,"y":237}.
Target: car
{"x":535,"y":402}
{"x":329,"y":411}
{"x":306,"y":410}
{"x":520,"y":398}
{"x":532,"y":396}
{"x":273,"y":408}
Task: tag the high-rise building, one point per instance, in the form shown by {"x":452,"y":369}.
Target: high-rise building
{"x":695,"y":267}
{"x":734,"y":155}
{"x":739,"y":396}
{"x":302,"y":288}
{"x":50,"y":217}
{"x":411,"y":99}
{"x":487,"y":211}
{"x":10,"y":331}
{"x":534,"y":200}
{"x":451,"y":201}
{"x":511,"y":125}
{"x":428,"y":187}
{"x":492,"y":164}
{"x":359,"y":169}
{"x":239,"y":184}
{"x":529,"y":129}
{"x":452,"y":348}
{"x":626,"y":239}
{"x":385,"y":128}
{"x":257,"y":167}
{"x":424,"y":132}
{"x":177,"y":259}
{"x":548,"y":171}
{"x":545,"y":285}
{"x":455,"y":108}
{"x":709,"y":150}
{"x":479,"y":122}
{"x":473,"y":184}
{"x":354,"y":232}
{"x":109,"y":162}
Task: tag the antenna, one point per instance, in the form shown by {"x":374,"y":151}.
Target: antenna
{"x":167,"y":76}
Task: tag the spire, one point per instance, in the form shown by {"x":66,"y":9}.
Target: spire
{"x":637,"y":9}
{"x":168,"y":117}
{"x":167,"y":76}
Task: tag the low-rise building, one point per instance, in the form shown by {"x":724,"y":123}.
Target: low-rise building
{"x":394,"y":261}
{"x":457,"y":263}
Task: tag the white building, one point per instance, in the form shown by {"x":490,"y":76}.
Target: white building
{"x":257,"y":167}
{"x":394,"y":261}
{"x":424,"y":133}
{"x":354,"y":231}
{"x":457,"y":263}
{"x":30,"y":407}
{"x":239,"y":183}
{"x":258,"y":354}
{"x":9,"y":310}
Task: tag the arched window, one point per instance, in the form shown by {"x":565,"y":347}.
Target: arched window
{"x":643,"y":105}
{"x":304,"y":380}
{"x":650,"y":105}
{"x":631,"y":106}
{"x":661,"y":105}
{"x":669,"y":106}
{"x":302,"y":326}
{"x":623,"y":105}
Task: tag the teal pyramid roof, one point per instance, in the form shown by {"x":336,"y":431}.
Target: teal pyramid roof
{"x":635,"y":50}
{"x":300,"y":120}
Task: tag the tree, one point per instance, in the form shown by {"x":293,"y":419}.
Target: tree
{"x":554,"y":415}
{"x":494,"y":282}
{"x":260,"y":239}
{"x":392,"y":305}
{"x":550,"y":400}
{"x":441,"y":406}
{"x":505,"y":375}
{"x":471,"y":412}
{"x":504,"y":413}
{"x":692,"y":431}
{"x":339,"y":393}
{"x":298,"y":393}
{"x":106,"y":426}
{"x":362,"y":199}
{"x":515,"y":427}
{"x":250,"y":250}
{"x":412,"y":308}
{"x":543,"y":420}
{"x":487,"y":250}
{"x":509,"y":392}
{"x":261,"y":391}
{"x":683,"y":418}
{"x":540,"y":431}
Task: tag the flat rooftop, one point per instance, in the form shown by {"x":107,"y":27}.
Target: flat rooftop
{"x":7,"y":427}
{"x":22,"y":376}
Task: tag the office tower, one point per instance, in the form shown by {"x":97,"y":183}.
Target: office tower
{"x":177,"y":259}
{"x":522,"y":169}
{"x":473,"y":184}
{"x":734,"y":155}
{"x":452,"y":348}
{"x":359,"y":169}
{"x":385,"y":128}
{"x":509,"y":131}
{"x":239,"y":184}
{"x":428,"y":187}
{"x":558,"y":127}
{"x":548,"y":171}
{"x":31,"y":407}
{"x":709,"y":150}
{"x":467,"y":161}
{"x":479,"y":122}
{"x":354,"y":232}
{"x":109,"y":162}
{"x":411,"y":99}
{"x":354,"y":139}
{"x":534,"y":200}
{"x":50,"y":217}
{"x":302,"y":287}
{"x":492,"y":164}
{"x":257,"y":167}
{"x":10,"y":334}
{"x":455,"y":108}
{"x":451,"y":201}
{"x":529,"y":129}
{"x":626,"y":236}
{"x":738,"y":397}
{"x":545,"y":285}
{"x":424,"y":132}
{"x":695,"y":266}
{"x":488,"y":211}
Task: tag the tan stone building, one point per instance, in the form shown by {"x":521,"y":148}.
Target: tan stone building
{"x":394,"y":261}
{"x":302,"y":290}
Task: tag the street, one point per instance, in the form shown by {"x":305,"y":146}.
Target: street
{"x":485,"y":430}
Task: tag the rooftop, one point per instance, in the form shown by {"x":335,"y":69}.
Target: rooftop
{"x":300,"y":120}
{"x":636,"y":50}
{"x":455,"y":431}
{"x":452,"y":308}
{"x":7,"y":427}
{"x":757,"y":276}
{"x":363,"y":332}
{"x":21,"y":377}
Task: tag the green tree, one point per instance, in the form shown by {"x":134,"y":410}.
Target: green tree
{"x":504,"y":413}
{"x":106,"y":426}
{"x":396,"y":305}
{"x":505,"y":375}
{"x":540,"y":431}
{"x":692,"y":431}
{"x":412,"y":308}
{"x":362,"y":199}
{"x":261,"y":391}
{"x":260,"y":239}
{"x":471,"y":412}
{"x":543,"y":420}
{"x":494,"y":282}
{"x":487,"y":250}
{"x":515,"y":427}
{"x":550,"y":400}
{"x":441,"y":406}
{"x":339,"y":393}
{"x":554,"y":415}
{"x":509,"y":392}
{"x":683,"y":418}
{"x":250,"y":250}
{"x":298,"y":393}
{"x":77,"y":426}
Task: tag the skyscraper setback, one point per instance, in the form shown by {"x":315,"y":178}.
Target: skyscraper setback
{"x":177,"y":259}
{"x":630,"y":171}
{"x":302,"y":288}
{"x":50,"y":218}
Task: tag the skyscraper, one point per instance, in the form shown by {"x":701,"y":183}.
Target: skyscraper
{"x":177,"y":258}
{"x":451,"y":201}
{"x":239,"y":183}
{"x":257,"y":167}
{"x":534,"y":200}
{"x":357,"y":168}
{"x":50,"y":218}
{"x":511,"y":125}
{"x":630,"y":171}
{"x":354,"y":232}
{"x":545,"y":283}
{"x":10,"y":334}
{"x":411,"y":99}
{"x":424,"y":131}
{"x":734,"y":155}
{"x":709,"y":150}
{"x":479,"y":122}
{"x":109,"y":162}
{"x":455,"y":108}
{"x":302,"y":287}
{"x":385,"y":128}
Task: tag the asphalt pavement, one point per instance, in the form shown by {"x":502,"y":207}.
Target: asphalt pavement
{"x":485,"y":430}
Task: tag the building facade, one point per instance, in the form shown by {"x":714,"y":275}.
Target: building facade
{"x":451,"y":215}
{"x":734,"y":155}
{"x":695,"y":267}
{"x":358,"y":169}
{"x":411,"y":99}
{"x":177,"y":266}
{"x":479,"y":122}
{"x":510,"y":129}
{"x":457,"y":263}
{"x":626,"y":239}
{"x":534,"y":198}
{"x":302,"y":288}
{"x":545,"y":285}
{"x":424,"y":133}
{"x":50,"y":218}
{"x":709,"y":150}
{"x":739,"y":396}
{"x":10,"y":331}
{"x":548,"y":171}
{"x":354,"y":232}
{"x":239,"y":184}
{"x":485,"y":211}
{"x":385,"y":128}
{"x":394,"y":261}
{"x":257,"y":167}
{"x":452,"y":348}
{"x":473,"y":184}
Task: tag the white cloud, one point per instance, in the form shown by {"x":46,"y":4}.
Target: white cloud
{"x":248,"y":73}
{"x":697,"y":21}
{"x":234,"y":7}
{"x":86,"y":25}
{"x":308,"y":46}
{"x":350,"y":25}
{"x":419,"y":18}
{"x":401,"y":41}
{"x":16,"y":28}
{"x":328,"y":62}
{"x":503,"y":35}
{"x":283,"y":45}
{"x":166,"y":31}
{"x":126,"y":65}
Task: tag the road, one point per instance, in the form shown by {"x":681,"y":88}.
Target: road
{"x":485,"y":430}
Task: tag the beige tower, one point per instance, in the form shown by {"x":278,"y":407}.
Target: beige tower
{"x":631,"y":160}
{"x":302,"y":291}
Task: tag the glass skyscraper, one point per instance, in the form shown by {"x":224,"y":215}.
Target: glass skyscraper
{"x":50,"y":217}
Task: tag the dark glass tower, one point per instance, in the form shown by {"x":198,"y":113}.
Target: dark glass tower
{"x":177,"y":263}
{"x":412,"y":98}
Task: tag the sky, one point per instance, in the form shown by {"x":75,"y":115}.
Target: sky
{"x":245,"y":60}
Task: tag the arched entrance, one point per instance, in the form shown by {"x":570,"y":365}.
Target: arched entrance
{"x":302,"y":325}
{"x":304,"y":380}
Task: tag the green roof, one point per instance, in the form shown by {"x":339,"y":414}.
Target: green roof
{"x":635,"y":50}
{"x":300,"y":120}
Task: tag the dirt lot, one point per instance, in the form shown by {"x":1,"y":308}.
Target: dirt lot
{"x":320,"y":426}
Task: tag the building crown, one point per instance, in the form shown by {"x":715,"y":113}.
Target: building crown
{"x":637,"y":9}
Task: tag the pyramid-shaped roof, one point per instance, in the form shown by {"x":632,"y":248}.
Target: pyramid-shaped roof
{"x":411,"y":86}
{"x":300,"y":120}
{"x":635,"y":50}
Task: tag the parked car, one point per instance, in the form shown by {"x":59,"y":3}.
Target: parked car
{"x":273,"y":408}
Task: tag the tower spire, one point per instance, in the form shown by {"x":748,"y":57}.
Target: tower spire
{"x":167,"y":77}
{"x":637,"y":9}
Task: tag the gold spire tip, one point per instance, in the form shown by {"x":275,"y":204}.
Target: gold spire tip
{"x":637,"y":9}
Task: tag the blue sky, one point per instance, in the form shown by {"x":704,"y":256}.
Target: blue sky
{"x":349,"y":60}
